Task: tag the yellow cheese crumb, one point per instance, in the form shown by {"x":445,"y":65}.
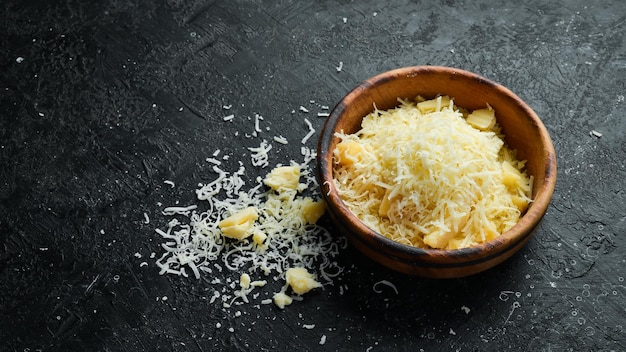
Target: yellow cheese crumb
{"x":244,"y":281}
{"x":283,"y":178}
{"x":511,"y":176}
{"x":301,"y":281}
{"x":239,"y":225}
{"x":348,"y":152}
{"x":312,"y":210}
{"x":281,"y":300}
{"x":259,"y":238}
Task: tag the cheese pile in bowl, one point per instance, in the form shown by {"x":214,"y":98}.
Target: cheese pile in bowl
{"x":432,"y":175}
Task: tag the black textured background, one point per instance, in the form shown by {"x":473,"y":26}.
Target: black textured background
{"x":101,"y":101}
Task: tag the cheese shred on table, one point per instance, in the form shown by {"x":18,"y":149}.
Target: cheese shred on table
{"x":267,"y":230}
{"x":431,"y":175}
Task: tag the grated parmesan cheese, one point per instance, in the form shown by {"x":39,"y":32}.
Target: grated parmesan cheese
{"x":386,"y":283}
{"x":322,"y":340}
{"x":260,"y":156}
{"x":280,"y":139}
{"x":310,"y":133}
{"x":422,"y":175}
{"x":264,"y":230}
{"x":301,"y":281}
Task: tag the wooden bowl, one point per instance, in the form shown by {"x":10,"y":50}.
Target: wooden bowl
{"x":523,"y":129}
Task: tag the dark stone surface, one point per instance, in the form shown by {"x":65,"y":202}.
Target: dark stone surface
{"x":101,"y":101}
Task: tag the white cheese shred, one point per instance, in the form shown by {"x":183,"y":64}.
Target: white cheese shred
{"x":179,"y":210}
{"x":310,"y":133}
{"x":257,"y":119}
{"x":386,"y":283}
{"x":280,"y":139}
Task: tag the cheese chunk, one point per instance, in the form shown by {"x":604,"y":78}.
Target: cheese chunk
{"x":312,"y":210}
{"x":244,"y":281}
{"x":483,"y":119}
{"x":511,"y":176}
{"x":281,"y":300}
{"x":239,"y":225}
{"x":259,"y":238}
{"x":301,"y":281}
{"x":283,"y":178}
{"x":348,"y":152}
{"x":433,"y":105}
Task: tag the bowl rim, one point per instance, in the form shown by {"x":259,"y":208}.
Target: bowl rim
{"x":506,"y":241}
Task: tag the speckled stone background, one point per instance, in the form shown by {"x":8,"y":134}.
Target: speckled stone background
{"x":102,"y":101}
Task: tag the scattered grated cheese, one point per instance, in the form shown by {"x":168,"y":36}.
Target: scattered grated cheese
{"x":303,"y":109}
{"x":386,"y":283}
{"x":168,"y":182}
{"x":260,"y":156}
{"x":340,"y":67}
{"x":310,"y":133}
{"x":323,"y":340}
{"x":229,"y":117}
{"x":179,"y":210}
{"x":280,"y":139}
{"x":596,"y":133}
{"x":214,"y":161}
{"x":257,"y":118}
{"x":196,"y":242}
{"x":323,"y":114}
